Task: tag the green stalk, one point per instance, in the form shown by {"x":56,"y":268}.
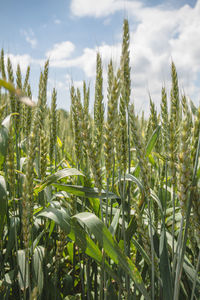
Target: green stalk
{"x":122,"y":193}
{"x":152,"y":254}
{"x":196,"y":275}
{"x":88,"y":278}
{"x":173,"y":220}
{"x":107,"y":190}
{"x":16,"y":244}
{"x":129,"y":198}
{"x":82,"y":277}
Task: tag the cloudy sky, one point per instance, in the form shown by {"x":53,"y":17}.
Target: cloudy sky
{"x":70,"y":32}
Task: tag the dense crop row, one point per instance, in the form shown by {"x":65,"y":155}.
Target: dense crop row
{"x":98,"y":207}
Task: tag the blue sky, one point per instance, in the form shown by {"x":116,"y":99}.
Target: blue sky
{"x":70,"y":32}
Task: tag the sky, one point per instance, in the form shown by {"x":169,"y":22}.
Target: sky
{"x":71,"y":32}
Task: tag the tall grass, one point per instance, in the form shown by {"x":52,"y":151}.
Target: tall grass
{"x":102,"y":206}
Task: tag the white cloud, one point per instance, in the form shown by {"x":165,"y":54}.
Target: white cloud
{"x":87,"y":61}
{"x":82,"y":8}
{"x":60,"y":51}
{"x":176,"y":37}
{"x":161,"y":34}
{"x":30,"y":37}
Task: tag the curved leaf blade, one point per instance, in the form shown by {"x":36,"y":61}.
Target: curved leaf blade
{"x":38,"y":258}
{"x":3,"y":142}
{"x":60,"y":216}
{"x":165,"y":270}
{"x":151,"y":143}
{"x":3,"y":203}
{"x":105,"y":239}
{"x":85,"y":192}
{"x":19,"y":94}
{"x":57,"y":176}
{"x":23,"y":270}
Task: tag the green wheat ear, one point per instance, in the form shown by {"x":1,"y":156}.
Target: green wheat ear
{"x":185,"y":162}
{"x":53,"y":125}
{"x":26,"y":80}
{"x":11,"y":80}
{"x":125,"y":64}
{"x":18,"y":104}
{"x":174,"y":123}
{"x":125,"y":90}
{"x":77,"y":119}
{"x":110,"y":126}
{"x":2,"y":65}
{"x":164,"y":121}
{"x":29,"y":112}
{"x":27,"y":195}
{"x":122,"y":135}
{"x":98,"y":109}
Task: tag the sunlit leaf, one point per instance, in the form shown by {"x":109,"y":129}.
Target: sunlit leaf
{"x":60,"y":216}
{"x":57,"y":176}
{"x":18,"y":93}
{"x":165,"y":269}
{"x":151,"y":143}
{"x":38,"y":258}
{"x":3,"y":203}
{"x":105,"y":239}
{"x":23,"y":270}
{"x":85,"y":192}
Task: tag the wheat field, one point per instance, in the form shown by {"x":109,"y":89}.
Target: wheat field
{"x":102,"y":205}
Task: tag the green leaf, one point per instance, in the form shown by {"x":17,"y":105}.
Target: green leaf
{"x":165,"y":270}
{"x":151,"y":143}
{"x":3,"y":143}
{"x":37,"y":239}
{"x":131,"y":228}
{"x":142,"y":251}
{"x":14,"y":225}
{"x":18,"y":93}
{"x":82,"y":239}
{"x":187,"y":266}
{"x":85,"y":192}
{"x":23,"y":270}
{"x":8,"y":278}
{"x":70,"y":250}
{"x":3,"y":203}
{"x":157,"y":200}
{"x":7,"y":121}
{"x":60,"y":216}
{"x":38,"y":258}
{"x":59,"y":143}
{"x":115,"y":222}
{"x":134,"y":179}
{"x":78,"y":235}
{"x":8,"y":86}
{"x":57,"y":176}
{"x":105,"y":239}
